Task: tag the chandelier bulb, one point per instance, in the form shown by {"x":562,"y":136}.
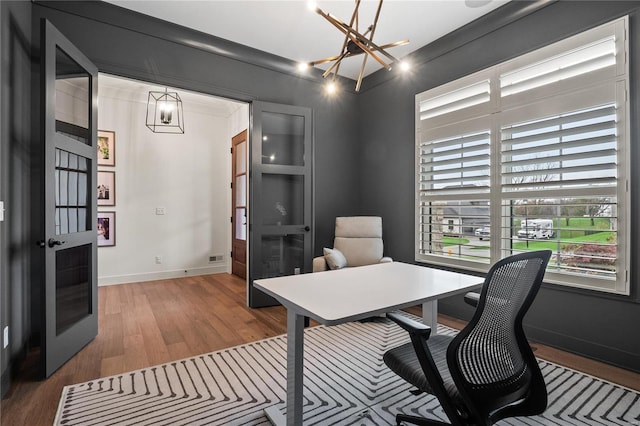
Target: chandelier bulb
{"x":303,"y":66}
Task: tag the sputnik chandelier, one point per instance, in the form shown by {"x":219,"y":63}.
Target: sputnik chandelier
{"x":356,"y":43}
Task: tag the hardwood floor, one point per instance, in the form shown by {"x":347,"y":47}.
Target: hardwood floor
{"x":144,"y":324}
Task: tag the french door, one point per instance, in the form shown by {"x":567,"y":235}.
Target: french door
{"x":239,"y":173}
{"x":280,"y":237}
{"x":69,"y":296}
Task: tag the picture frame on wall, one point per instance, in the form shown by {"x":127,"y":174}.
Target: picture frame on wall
{"x":106,"y":227}
{"x":106,"y":148}
{"x":106,"y":190}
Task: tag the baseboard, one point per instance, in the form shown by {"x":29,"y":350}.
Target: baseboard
{"x":163,"y":275}
{"x":5,"y":382}
{"x":588,"y":349}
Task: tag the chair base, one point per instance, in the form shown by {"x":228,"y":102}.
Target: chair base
{"x":420,"y":421}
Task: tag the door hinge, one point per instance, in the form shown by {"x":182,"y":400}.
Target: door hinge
{"x":231,"y":219}
{"x":231,"y":185}
{"x":231,"y":150}
{"x":231,"y":254}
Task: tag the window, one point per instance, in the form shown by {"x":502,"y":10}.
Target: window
{"x":531,"y":154}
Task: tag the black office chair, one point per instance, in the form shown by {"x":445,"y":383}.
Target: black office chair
{"x":487,"y":372}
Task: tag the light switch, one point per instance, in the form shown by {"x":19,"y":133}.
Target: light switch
{"x":160,"y":211}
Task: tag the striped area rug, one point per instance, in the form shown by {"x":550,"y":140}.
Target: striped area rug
{"x":346,"y":383}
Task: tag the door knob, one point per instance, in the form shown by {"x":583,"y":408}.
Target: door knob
{"x":52,"y":243}
{"x":307,"y":228}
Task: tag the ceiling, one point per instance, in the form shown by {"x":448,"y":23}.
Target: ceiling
{"x":291,"y":30}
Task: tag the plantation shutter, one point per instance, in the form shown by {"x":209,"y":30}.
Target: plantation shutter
{"x":540,"y":139}
{"x":584,"y":59}
{"x":573,"y":150}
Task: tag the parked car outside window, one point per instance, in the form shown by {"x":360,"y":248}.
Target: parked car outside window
{"x":483,"y":233}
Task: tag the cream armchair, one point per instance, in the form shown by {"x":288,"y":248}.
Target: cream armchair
{"x":358,"y":242}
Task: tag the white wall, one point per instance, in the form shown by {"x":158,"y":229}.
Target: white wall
{"x":186,"y":174}
{"x":239,"y":120}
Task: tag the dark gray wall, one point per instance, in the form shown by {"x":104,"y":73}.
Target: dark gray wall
{"x":589,"y":323}
{"x":16,"y":179}
{"x":128,"y":44}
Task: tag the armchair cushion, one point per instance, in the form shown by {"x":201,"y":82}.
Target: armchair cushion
{"x":358,"y":242}
{"x":334,"y":258}
{"x":359,"y":227}
{"x":360,"y":251}
{"x":359,"y":238}
{"x":320,"y":264}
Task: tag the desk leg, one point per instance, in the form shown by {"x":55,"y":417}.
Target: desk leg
{"x":295,"y":356}
{"x":430,"y":315}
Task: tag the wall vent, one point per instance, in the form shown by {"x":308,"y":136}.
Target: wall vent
{"x":216,"y":258}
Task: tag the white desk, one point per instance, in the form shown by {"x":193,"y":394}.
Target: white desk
{"x":336,"y":297}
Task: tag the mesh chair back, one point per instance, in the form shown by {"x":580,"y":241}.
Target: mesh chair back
{"x":490,"y":360}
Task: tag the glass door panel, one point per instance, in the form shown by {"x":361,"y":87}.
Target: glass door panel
{"x":72,"y":193}
{"x":241,"y":223}
{"x":280,"y":237}
{"x":283,"y":137}
{"x":72,"y":98}
{"x":241,"y":157}
{"x":282,"y":255}
{"x":283,"y":199}
{"x":241,"y":190}
{"x":73,"y":286}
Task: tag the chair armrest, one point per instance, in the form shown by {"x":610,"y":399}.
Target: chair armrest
{"x":413,"y":327}
{"x":319,"y":264}
{"x":386,"y":260}
{"x":472,"y":298}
